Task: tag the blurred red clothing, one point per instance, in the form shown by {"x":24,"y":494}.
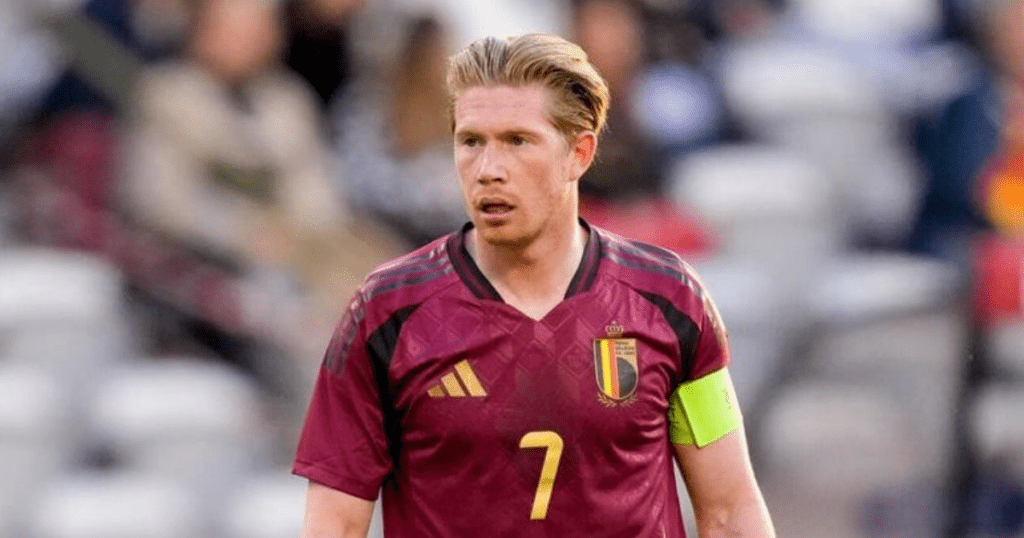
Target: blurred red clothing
{"x":655,"y":221}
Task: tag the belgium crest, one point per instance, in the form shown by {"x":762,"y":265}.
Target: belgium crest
{"x":615,"y":364}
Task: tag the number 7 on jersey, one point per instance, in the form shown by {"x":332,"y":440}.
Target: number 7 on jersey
{"x":553,"y":443}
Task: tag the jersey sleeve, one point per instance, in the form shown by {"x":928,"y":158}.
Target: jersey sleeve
{"x":343,"y":444}
{"x":711,"y":352}
{"x":703,"y":408}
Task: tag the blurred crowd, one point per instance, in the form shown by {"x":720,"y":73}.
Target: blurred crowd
{"x":847,"y":175}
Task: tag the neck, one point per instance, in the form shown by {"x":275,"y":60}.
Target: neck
{"x":533,"y":278}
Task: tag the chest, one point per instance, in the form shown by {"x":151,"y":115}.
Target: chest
{"x":596,"y":370}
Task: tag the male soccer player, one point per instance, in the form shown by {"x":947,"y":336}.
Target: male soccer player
{"x":530,"y":374}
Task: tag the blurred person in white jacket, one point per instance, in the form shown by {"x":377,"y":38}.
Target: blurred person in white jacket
{"x":226,"y":153}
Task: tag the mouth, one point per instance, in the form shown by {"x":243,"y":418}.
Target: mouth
{"x":494,"y":206}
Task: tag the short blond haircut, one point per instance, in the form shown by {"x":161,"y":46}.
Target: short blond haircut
{"x":579,"y":95}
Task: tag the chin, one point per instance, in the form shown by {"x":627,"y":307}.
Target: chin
{"x":503,"y":236}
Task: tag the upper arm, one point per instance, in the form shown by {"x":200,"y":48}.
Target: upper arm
{"x":335,"y":514}
{"x":717,"y":473}
{"x":722,"y":487}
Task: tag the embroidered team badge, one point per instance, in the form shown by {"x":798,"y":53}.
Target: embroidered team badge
{"x":615,"y":364}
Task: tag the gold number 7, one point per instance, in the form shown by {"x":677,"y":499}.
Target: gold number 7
{"x":553,"y":442}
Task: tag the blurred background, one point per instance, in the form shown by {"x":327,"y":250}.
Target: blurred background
{"x":190,"y":190}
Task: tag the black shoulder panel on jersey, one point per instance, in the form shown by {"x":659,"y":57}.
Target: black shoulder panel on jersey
{"x":686,"y":330}
{"x":644,"y":257}
{"x":380,"y":348}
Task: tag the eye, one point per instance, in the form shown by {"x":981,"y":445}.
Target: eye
{"x":469,"y":141}
{"x":517,"y":140}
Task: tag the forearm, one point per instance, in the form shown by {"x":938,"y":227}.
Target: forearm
{"x":726,"y":498}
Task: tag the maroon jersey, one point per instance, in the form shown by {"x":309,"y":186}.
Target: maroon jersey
{"x":477,"y":420}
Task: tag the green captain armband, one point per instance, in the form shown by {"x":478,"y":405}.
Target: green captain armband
{"x":702,"y":411}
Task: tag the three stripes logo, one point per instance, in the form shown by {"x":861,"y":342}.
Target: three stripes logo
{"x":458,"y":384}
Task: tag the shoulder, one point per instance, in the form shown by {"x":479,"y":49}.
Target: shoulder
{"x":388,"y":296}
{"x":159,"y":88}
{"x":409,"y":279}
{"x":285,"y":86}
{"x":648,"y":268}
{"x":182,"y":101}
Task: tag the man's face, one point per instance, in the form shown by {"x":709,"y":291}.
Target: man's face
{"x":517,"y":171}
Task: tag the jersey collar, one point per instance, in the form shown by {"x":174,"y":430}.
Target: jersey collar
{"x":474,"y":279}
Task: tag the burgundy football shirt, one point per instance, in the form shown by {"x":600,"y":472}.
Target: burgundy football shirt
{"x":476,"y":420}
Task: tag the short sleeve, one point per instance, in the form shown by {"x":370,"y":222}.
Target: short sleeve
{"x":712,"y":349}
{"x":343,"y":444}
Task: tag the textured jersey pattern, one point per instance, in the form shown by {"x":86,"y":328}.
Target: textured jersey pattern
{"x":475,"y":420}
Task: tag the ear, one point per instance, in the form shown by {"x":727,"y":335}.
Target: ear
{"x":583,"y":149}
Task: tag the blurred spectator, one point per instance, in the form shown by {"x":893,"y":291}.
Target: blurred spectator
{"x":958,"y":146}
{"x":226,"y":153}
{"x":317,"y":43}
{"x":998,"y":187}
{"x":627,"y":165}
{"x":395,"y":140}
{"x":658,"y":111}
{"x":662,"y":104}
{"x":1002,"y":196}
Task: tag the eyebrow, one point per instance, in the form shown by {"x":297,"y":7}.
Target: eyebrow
{"x":526,"y":133}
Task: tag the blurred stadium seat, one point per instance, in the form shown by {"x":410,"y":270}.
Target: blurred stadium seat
{"x":894,"y":322}
{"x":998,"y":430}
{"x":62,"y":311}
{"x":882,"y":22}
{"x":833,"y":447}
{"x":765,"y":203}
{"x":195,"y":421}
{"x":1006,"y":347}
{"x":37,"y":442}
{"x":267,"y":505}
{"x":117,"y":506}
{"x":829,"y":106}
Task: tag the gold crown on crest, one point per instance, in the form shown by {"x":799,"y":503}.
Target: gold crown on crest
{"x":614,"y":330}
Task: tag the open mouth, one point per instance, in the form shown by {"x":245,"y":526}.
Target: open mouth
{"x":495,"y":208}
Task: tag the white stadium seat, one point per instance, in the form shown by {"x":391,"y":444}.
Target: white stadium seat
{"x":198,"y":421}
{"x":36,"y":441}
{"x":269,"y":505}
{"x":829,"y":449}
{"x":762,"y":201}
{"x":117,"y":506}
{"x":1006,"y":347}
{"x":882,"y":22}
{"x":998,"y":430}
{"x":63,"y":311}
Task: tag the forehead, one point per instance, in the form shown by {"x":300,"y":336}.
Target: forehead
{"x":502,"y":107}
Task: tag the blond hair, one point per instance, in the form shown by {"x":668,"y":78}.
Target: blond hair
{"x":580,"y":96}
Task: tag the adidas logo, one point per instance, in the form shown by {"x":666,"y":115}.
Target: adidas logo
{"x":462,"y":382}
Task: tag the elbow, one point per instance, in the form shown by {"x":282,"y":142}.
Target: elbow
{"x":746,"y":518}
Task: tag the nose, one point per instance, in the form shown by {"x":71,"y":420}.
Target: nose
{"x":489,"y":165}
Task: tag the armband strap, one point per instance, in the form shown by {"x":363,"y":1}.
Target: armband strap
{"x":704,"y":410}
